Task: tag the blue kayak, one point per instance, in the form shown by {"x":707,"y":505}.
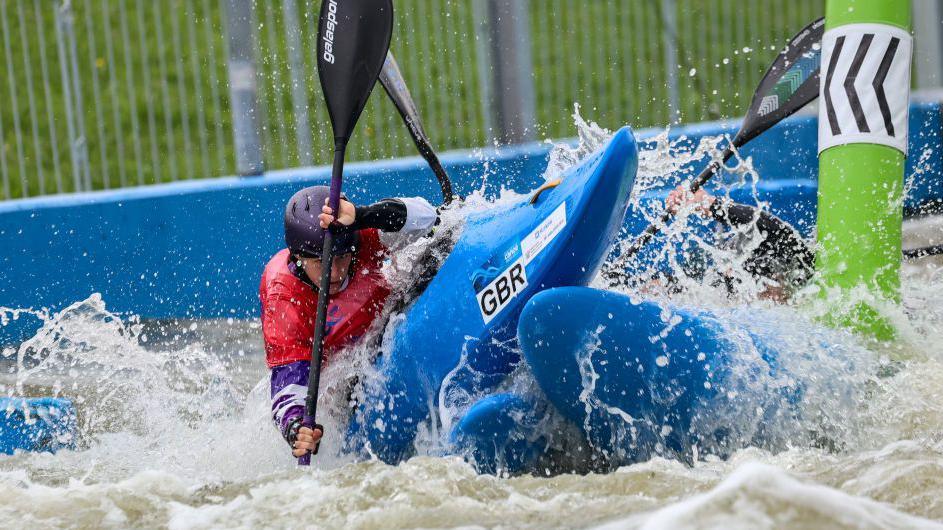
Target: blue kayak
{"x":37,"y":424}
{"x":502,"y":433}
{"x":458,"y":337}
{"x":642,"y":380}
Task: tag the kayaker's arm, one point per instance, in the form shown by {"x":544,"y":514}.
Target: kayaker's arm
{"x":782,"y":254}
{"x":289,"y":386}
{"x":287,"y":343}
{"x":400,"y":221}
{"x":407,"y":215}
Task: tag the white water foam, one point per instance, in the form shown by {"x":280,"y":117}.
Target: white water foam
{"x":177,"y":434}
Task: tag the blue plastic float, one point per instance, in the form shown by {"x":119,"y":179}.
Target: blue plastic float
{"x":37,"y":424}
{"x":642,"y":379}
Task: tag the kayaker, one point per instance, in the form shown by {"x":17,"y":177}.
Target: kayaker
{"x":782,"y":260}
{"x":363,"y":239}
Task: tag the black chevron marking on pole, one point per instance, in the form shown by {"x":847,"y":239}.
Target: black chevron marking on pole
{"x":829,"y":106}
{"x":850,"y":79}
{"x":878,"y":84}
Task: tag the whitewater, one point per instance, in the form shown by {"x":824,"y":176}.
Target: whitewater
{"x":175,"y":427}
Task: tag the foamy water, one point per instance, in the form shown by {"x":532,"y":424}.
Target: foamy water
{"x":175,"y":427}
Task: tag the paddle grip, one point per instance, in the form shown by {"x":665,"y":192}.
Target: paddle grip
{"x":337,"y":177}
{"x":308,"y":421}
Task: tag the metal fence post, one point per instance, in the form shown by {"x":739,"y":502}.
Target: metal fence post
{"x":928,"y":43}
{"x":66,"y":81}
{"x":669,"y":18}
{"x":299,"y":88}
{"x":508,"y":70}
{"x":480,"y":18}
{"x":243,"y":87}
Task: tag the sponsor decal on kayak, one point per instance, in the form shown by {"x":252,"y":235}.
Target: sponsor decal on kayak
{"x":545,"y":232}
{"x":494,"y":266}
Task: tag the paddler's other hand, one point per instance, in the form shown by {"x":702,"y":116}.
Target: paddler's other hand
{"x":348,"y":213}
{"x":682,"y":196}
{"x":307,"y":440}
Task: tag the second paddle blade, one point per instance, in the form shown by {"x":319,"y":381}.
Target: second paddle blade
{"x":790,"y":83}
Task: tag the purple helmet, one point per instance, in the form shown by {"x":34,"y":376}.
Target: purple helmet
{"x":303,"y":233}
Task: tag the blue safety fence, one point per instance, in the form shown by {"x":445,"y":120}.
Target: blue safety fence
{"x":196,"y":249}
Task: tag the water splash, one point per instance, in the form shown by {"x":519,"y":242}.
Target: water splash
{"x":178,"y":434}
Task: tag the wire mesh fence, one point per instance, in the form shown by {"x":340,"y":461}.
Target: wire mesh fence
{"x":655,"y":62}
{"x":98,"y":94}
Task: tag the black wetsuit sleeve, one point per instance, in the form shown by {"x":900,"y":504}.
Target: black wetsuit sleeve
{"x":781,"y":251}
{"x":388,"y":215}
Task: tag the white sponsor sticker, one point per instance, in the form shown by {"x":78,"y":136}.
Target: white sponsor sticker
{"x":499,"y":293}
{"x":865,"y":85}
{"x":541,"y":236}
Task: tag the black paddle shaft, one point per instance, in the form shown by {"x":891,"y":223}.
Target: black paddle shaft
{"x":917,"y":253}
{"x":695,"y":185}
{"x":353,"y":40}
{"x":320,"y":322}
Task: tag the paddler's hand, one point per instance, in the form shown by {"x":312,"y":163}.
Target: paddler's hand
{"x":307,"y":440}
{"x":681,"y":196}
{"x":348,"y":214}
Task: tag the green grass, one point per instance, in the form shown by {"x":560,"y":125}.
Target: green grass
{"x":141,"y":131}
{"x":156,"y":119}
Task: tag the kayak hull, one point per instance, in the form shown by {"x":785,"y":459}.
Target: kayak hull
{"x":37,"y":424}
{"x":501,"y":434}
{"x":459,"y":334}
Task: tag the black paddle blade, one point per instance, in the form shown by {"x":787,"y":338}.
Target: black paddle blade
{"x":353,"y":38}
{"x":789,"y":84}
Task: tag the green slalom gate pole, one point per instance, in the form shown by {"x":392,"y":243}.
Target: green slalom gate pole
{"x":863,"y":112}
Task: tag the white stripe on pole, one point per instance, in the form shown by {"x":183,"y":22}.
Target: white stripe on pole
{"x":865,"y":87}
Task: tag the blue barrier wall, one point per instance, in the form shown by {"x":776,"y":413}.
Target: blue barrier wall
{"x":788,"y":151}
{"x":196,"y":249}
